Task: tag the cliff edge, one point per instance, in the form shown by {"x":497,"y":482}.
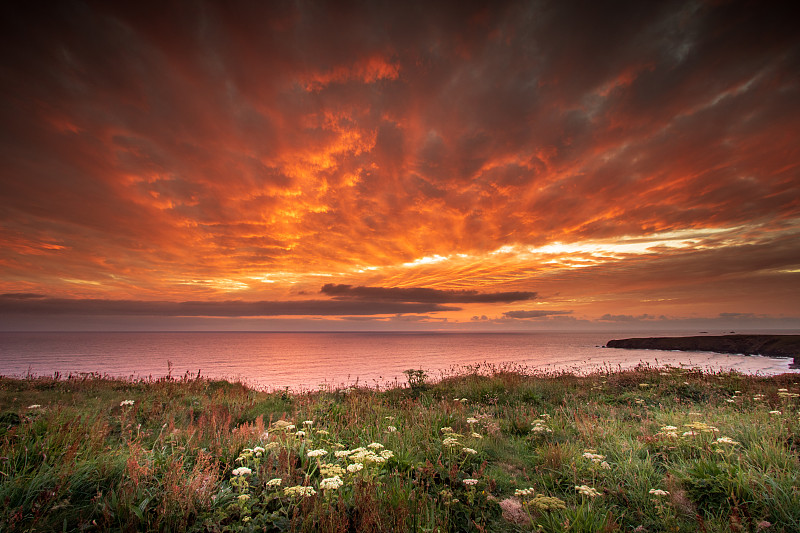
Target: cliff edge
{"x":767,"y":345}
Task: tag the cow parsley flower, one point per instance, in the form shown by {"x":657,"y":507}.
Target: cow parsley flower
{"x":274,"y":482}
{"x":317,"y":453}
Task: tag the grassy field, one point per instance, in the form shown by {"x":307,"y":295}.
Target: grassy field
{"x":490,"y":449}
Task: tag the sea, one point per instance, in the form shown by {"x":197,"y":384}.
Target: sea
{"x":307,"y":361}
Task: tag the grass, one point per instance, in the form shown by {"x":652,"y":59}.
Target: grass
{"x":485,"y":449}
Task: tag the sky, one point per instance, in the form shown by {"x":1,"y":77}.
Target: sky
{"x":399,"y":165}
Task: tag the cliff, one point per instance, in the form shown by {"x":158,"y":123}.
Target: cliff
{"x":767,"y":345}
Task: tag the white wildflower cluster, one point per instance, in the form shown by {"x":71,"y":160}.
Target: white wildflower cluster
{"x":243,"y":497}
{"x":299,"y":491}
{"x":274,"y":482}
{"x":587,"y":491}
{"x":391,"y":429}
{"x":375,"y":445}
{"x":670,"y":432}
{"x":308,"y":423}
{"x":524,"y":492}
{"x":242,"y":471}
{"x":472,"y":420}
{"x":125,"y":403}
{"x":469,"y":451}
{"x":355,"y":467}
{"x":331,"y":483}
{"x":451,"y":442}
{"x":34,"y":406}
{"x":775,"y":413}
{"x":725,"y":440}
{"x":658,"y":492}
{"x":697,"y":428}
{"x":596,"y":459}
{"x":317,"y":453}
{"x":758,"y":397}
{"x":470,"y":482}
{"x":539,"y":426}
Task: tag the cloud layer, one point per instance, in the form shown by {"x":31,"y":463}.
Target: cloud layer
{"x":403,"y":152}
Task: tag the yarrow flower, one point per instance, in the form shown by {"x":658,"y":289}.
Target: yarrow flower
{"x":470,"y":482}
{"x":775,"y":412}
{"x":525,"y":492}
{"x":300,"y":433}
{"x":450,"y":441}
{"x":658,"y":492}
{"x":274,"y":482}
{"x":243,"y":497}
{"x":242,"y":471}
{"x":123,"y":403}
{"x":299,"y":490}
{"x":331,"y":483}
{"x":469,"y":451}
{"x":587,"y":491}
{"x":476,"y":435}
{"x":308,"y":423}
{"x":34,"y":406}
{"x":472,"y":420}
{"x":317,"y":453}
{"x":725,"y":440}
{"x":355,"y":467}
{"x":375,"y":445}
{"x":391,"y":429}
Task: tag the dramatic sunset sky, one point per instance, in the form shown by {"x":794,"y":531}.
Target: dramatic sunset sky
{"x":399,"y":165}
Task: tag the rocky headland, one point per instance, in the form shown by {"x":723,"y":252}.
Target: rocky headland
{"x":767,"y":345}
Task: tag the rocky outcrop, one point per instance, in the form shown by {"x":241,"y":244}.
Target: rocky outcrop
{"x":767,"y":345}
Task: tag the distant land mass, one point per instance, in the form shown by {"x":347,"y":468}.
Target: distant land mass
{"x":767,"y":345}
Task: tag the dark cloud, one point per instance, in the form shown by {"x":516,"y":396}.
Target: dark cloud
{"x":346,"y":292}
{"x":534,"y":314}
{"x":10,"y":305}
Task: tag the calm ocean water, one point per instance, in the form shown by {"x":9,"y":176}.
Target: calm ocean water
{"x":307,"y":360}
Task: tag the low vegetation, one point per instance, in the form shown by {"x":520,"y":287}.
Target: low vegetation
{"x":488,"y":449}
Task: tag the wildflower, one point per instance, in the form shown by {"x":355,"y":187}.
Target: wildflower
{"x":545,"y":416}
{"x":783,"y":390}
{"x":605,"y":466}
{"x":342,"y":453}
{"x":299,"y":490}
{"x":308,"y":423}
{"x":258,"y":449}
{"x":730,"y":400}
{"x":274,"y":482}
{"x":447,"y":429}
{"x":242,"y":471}
{"x":450,"y":441}
{"x":355,"y":467}
{"x":300,"y":434}
{"x":476,"y":435}
{"x":669,"y":428}
{"x":387,"y":454}
{"x":546,"y":503}
{"x":775,"y":412}
{"x":595,"y":458}
{"x":469,"y":451}
{"x":123,"y":403}
{"x":525,"y":492}
{"x":317,"y":453}
{"x":331,"y":483}
{"x":375,"y":445}
{"x":587,"y":490}
{"x":725,"y":440}
{"x":472,"y":420}
{"x":329,"y":470}
{"x":470,"y":482}
{"x":273,"y":445}
{"x":372,"y":458}
{"x":34,"y":406}
{"x":323,"y":432}
{"x":243,"y":497}
{"x":658,"y":492}
{"x":391,"y":429}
